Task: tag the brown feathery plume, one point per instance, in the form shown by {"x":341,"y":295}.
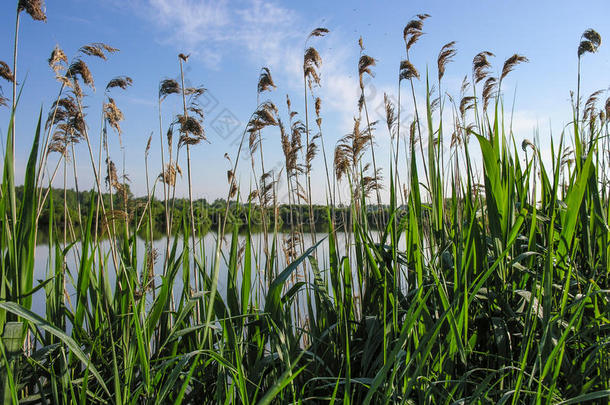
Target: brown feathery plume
{"x":35,"y":8}
{"x":264,"y":116}
{"x":607,"y":107}
{"x":445,"y":56}
{"x":360,"y":43}
{"x":589,"y":109}
{"x":318,"y":32}
{"x":527,"y":144}
{"x":121,"y":81}
{"x":466,"y":104}
{"x":148,"y":145}
{"x":80,"y":68}
{"x":390,"y":114}
{"x":194,"y":92}
{"x":591,"y":42}
{"x":184,"y":57}
{"x":168,"y":176}
{"x":312,"y":151}
{"x":413,"y":30}
{"x":480,"y":66}
{"x":407,"y":71}
{"x":113,"y":115}
{"x":465,"y":85}
{"x":191,"y":129}
{"x":371,"y":183}
{"x":311,"y":63}
{"x":364,"y":66}
{"x":97,"y":49}
{"x":58,"y":60}
{"x":265,"y":81}
{"x":318,"y":106}
{"x":510,"y":64}
{"x":488,"y":90}
{"x":6,"y":73}
{"x":167,"y":87}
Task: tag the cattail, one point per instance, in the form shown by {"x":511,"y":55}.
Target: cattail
{"x":445,"y":56}
{"x":6,"y":73}
{"x":121,"y":81}
{"x":480,"y":66}
{"x":167,"y":87}
{"x":591,"y":42}
{"x":510,"y":64}
{"x":35,"y":8}
{"x":80,"y":68}
{"x":407,"y":71}
{"x":265,"y":81}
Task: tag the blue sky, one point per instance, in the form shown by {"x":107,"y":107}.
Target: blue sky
{"x":229,"y":41}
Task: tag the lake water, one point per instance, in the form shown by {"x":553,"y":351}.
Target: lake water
{"x":45,"y":260}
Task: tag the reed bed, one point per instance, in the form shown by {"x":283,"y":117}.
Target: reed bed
{"x":467,"y":287}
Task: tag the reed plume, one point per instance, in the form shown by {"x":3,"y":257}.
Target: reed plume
{"x":481,"y":66}
{"x":265,"y":81}
{"x":167,"y":87}
{"x":121,"y":81}
{"x":510,"y":64}
{"x":5,"y":72}
{"x":97,"y":49}
{"x":35,"y":8}
{"x":445,"y":56}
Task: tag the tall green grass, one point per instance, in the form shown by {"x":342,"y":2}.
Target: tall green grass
{"x":501,"y":294}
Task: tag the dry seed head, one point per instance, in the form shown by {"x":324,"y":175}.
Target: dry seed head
{"x":390,"y":114}
{"x":318,"y":32}
{"x":467,"y":103}
{"x":80,"y":68}
{"x":6,"y":73}
{"x":510,"y":64}
{"x":265,"y":81}
{"x":97,"y":49}
{"x":121,"y":81}
{"x":445,"y":56}
{"x":311,"y":63}
{"x":364,"y":66}
{"x":35,"y":8}
{"x":113,"y":114}
{"x":55,"y":60}
{"x":465,"y":86}
{"x":407,"y":71}
{"x":591,"y":42}
{"x":184,"y":57}
{"x":318,"y":106}
{"x":488,"y":90}
{"x":480,"y":66}
{"x":167,"y":87}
